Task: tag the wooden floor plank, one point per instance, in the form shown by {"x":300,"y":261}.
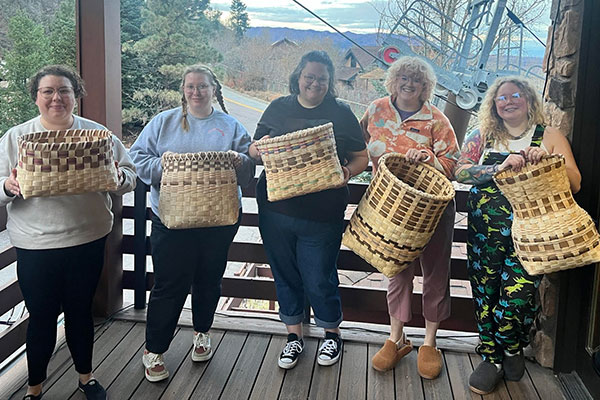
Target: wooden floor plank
{"x":380,"y":385}
{"x":325,"y":380}
{"x":501,"y":392}
{"x":439,"y":388}
{"x":459,"y":369}
{"x":182,"y":384}
{"x":131,"y":376}
{"x":408,"y":381}
{"x":354,"y":371}
{"x":180,"y":347}
{"x":246,"y":368}
{"x":545,"y":382}
{"x":296,"y":384}
{"x":270,"y":376}
{"x":215,"y":377}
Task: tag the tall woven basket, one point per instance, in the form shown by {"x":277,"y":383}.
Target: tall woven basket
{"x":398,"y":213}
{"x":54,"y":163}
{"x":550,"y":231}
{"x":198,"y":190}
{"x":301,"y":162}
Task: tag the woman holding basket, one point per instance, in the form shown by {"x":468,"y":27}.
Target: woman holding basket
{"x":511,"y":133}
{"x":407,"y":123}
{"x":302,"y":235}
{"x":59,"y":239}
{"x":193,"y":257}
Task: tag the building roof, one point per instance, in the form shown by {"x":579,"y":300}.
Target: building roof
{"x":346,"y":74}
{"x":376,"y":73}
{"x":362,"y":58}
{"x":284,"y":42}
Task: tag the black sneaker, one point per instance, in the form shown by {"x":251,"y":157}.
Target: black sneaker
{"x":290,"y":353}
{"x":330,"y":350}
{"x":93,"y":390}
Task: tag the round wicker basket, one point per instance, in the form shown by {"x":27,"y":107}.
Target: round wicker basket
{"x":398,"y":213}
{"x":550,"y":231}
{"x":301,"y":162}
{"x":75,"y":161}
{"x":198,"y":190}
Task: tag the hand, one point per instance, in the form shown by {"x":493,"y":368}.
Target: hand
{"x":253,"y":151}
{"x":533,"y":154}
{"x":120,"y":174}
{"x":347,"y":177}
{"x":514,"y":162}
{"x":237,"y":159}
{"x":11,"y":185}
{"x":415,"y":155}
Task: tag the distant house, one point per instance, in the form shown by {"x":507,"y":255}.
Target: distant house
{"x":356,"y":62}
{"x":376,"y":74}
{"x":284,"y":43}
{"x":347,"y":75}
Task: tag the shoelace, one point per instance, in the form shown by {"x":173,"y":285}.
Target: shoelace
{"x":201,"y":340}
{"x":291,"y":348}
{"x":328,"y":347}
{"x":154,"y":359}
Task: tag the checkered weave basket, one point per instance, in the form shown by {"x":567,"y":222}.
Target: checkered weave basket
{"x":398,"y":213}
{"x":66,"y":162}
{"x":550,"y":231}
{"x":301,"y":162}
{"x":198,"y":190}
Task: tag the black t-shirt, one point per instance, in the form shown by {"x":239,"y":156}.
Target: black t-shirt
{"x":285,"y":115}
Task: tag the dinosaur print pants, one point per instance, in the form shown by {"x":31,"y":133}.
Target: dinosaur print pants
{"x":503,"y":292}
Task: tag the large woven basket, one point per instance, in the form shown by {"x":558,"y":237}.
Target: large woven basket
{"x":198,"y":190}
{"x":398,"y":213}
{"x":550,"y":231}
{"x":54,"y":163}
{"x":301,"y":162}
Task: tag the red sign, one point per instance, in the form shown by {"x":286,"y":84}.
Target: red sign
{"x":390,"y":54}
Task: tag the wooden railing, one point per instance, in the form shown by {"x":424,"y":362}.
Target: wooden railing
{"x":360,"y":304}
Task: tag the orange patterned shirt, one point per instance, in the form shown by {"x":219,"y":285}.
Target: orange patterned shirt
{"x":428,"y":130}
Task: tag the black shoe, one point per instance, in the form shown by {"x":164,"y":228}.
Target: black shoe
{"x":33,"y":396}
{"x":485,"y":378}
{"x":330,"y":350}
{"x":290,"y":353}
{"x":93,"y":390}
{"x":514,"y":366}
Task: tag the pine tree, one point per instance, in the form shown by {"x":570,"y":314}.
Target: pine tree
{"x":62,"y":35}
{"x":239,"y":20}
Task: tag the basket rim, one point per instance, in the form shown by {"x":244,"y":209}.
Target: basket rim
{"x":289,"y":136}
{"x":502,"y":177}
{"x":409,"y":188}
{"x":97,"y":136}
{"x":199,"y":156}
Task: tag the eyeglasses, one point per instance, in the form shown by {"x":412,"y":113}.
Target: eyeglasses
{"x":503,"y":99}
{"x":406,"y":78}
{"x":311,"y":78}
{"x":48,"y":92}
{"x":200,"y":88}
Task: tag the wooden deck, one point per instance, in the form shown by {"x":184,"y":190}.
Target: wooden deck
{"x":244,"y":367}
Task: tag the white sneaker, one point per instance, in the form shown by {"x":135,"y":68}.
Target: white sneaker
{"x":202,"y":350}
{"x":154,"y":367}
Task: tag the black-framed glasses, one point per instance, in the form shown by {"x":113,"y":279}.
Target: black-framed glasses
{"x":309,"y":78}
{"x":49,"y":92}
{"x":503,"y":99}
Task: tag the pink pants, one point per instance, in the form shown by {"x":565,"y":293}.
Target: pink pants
{"x":435,"y":264}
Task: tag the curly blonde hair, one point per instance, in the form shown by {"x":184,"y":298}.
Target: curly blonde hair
{"x":491,"y":125}
{"x":413,"y":67}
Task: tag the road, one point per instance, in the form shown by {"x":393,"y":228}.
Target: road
{"x":244,"y":108}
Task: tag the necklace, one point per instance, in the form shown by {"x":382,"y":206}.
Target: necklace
{"x":522,"y":135}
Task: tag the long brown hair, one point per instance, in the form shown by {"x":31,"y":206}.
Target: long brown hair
{"x":200,"y":69}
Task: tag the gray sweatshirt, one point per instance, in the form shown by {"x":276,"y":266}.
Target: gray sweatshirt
{"x":58,"y":221}
{"x":217,"y":132}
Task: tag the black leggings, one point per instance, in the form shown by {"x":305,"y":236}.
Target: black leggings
{"x":55,"y":281}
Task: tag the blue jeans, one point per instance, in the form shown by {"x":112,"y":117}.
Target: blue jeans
{"x":303,"y":257}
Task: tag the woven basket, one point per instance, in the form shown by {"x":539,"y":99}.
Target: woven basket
{"x":198,"y":190}
{"x":301,"y":162}
{"x":54,"y":163}
{"x":550,"y":231}
{"x":398,"y":213}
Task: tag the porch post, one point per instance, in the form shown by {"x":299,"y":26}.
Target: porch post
{"x":99,"y":62}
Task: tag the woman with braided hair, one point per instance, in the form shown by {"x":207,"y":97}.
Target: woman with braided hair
{"x":187,"y":257}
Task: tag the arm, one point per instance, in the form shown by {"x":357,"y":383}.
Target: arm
{"x":125,"y":166}
{"x":241,"y":145}
{"x":358,"y":161}
{"x":467,"y":169}
{"x":144,"y":154}
{"x":557,"y":143}
{"x":8,"y":162}
{"x":444,"y":153}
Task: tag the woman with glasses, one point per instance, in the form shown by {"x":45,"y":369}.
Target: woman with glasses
{"x":302,"y":235}
{"x":407,"y":123}
{"x":511,"y":133}
{"x":60,"y":239}
{"x":184,"y":258}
